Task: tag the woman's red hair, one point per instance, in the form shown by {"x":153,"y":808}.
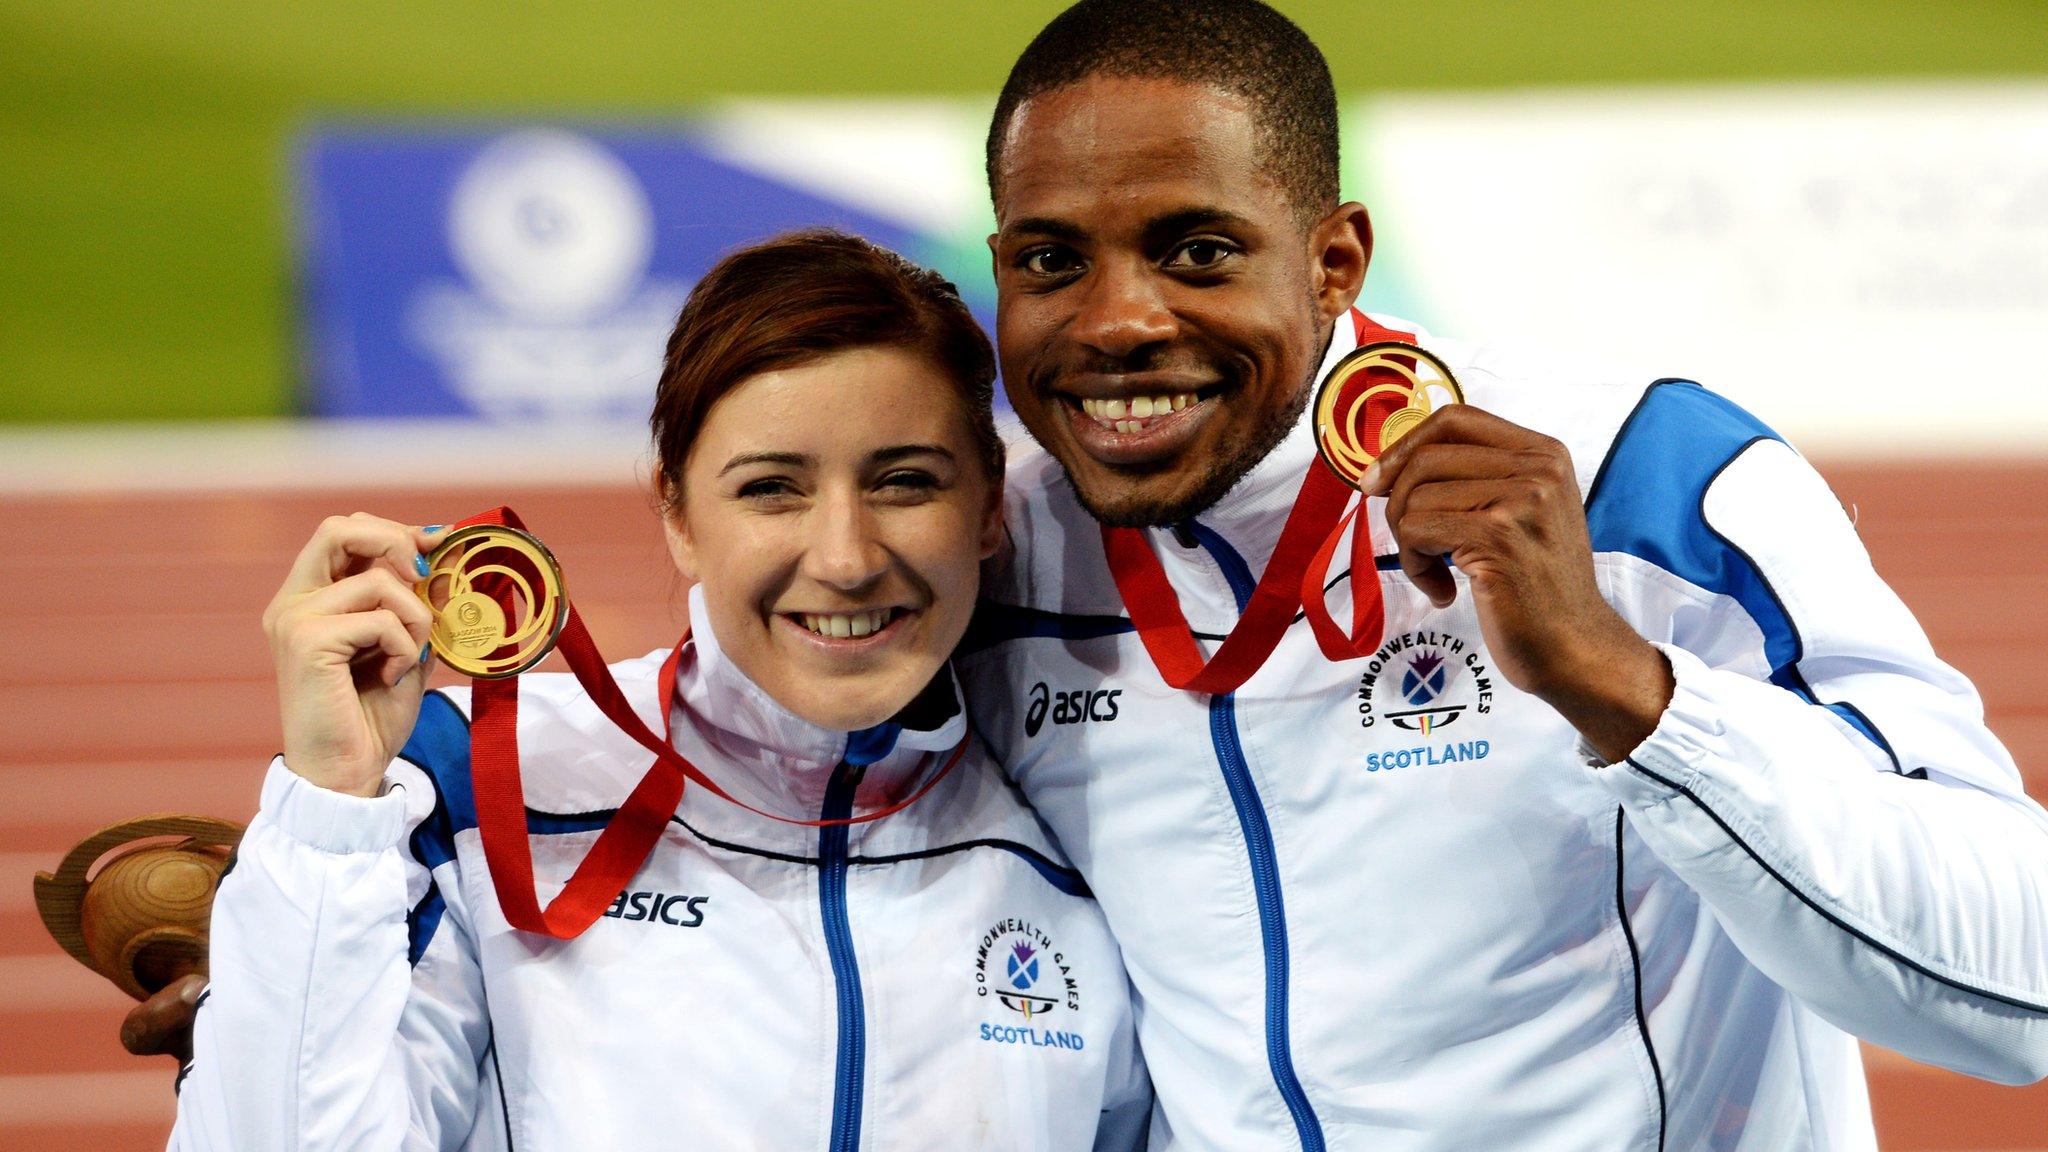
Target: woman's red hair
{"x":799,"y":297}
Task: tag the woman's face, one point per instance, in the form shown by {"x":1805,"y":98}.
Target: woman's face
{"x":836,"y":514}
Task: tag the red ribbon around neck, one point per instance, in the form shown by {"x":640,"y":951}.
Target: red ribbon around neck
{"x":1293,"y":579}
{"x":632,"y":832}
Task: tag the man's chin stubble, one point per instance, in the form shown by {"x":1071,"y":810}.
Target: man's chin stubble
{"x":1215,"y":483}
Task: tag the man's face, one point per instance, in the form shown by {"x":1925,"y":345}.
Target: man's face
{"x":1161,"y":305}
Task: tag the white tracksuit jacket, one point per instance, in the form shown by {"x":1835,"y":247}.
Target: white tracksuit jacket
{"x":1391,"y":904}
{"x":934,"y":980}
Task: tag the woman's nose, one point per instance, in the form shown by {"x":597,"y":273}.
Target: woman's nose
{"x":844,"y":550}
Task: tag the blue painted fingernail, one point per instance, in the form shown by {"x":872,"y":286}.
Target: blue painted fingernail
{"x":426,"y":650}
{"x":419,"y":564}
{"x":433,"y":528}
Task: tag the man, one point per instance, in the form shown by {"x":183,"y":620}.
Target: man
{"x":1650,"y":798}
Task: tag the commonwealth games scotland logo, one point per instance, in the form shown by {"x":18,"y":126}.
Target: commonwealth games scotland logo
{"x":1015,"y":963}
{"x":1423,"y":681}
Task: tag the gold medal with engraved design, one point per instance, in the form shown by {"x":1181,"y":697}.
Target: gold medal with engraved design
{"x":1372,"y":398}
{"x":497,"y":598}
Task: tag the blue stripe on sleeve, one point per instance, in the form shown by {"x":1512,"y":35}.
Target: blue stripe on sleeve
{"x":439,"y":746}
{"x":1648,"y":501}
{"x":421,"y":922}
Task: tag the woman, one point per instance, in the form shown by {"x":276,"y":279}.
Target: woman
{"x":830,"y":478}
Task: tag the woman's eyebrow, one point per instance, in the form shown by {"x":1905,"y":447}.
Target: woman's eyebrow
{"x":897,"y":452}
{"x":787,"y":459}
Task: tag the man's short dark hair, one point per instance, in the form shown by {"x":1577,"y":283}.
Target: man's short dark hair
{"x":1240,"y":46}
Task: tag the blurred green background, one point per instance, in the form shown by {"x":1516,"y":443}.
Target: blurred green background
{"x":145,"y":262}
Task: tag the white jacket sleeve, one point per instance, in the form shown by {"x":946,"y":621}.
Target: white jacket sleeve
{"x":318,"y":1030}
{"x":1127,"y":1103}
{"x":1828,"y":788}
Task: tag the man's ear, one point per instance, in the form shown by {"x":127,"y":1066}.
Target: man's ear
{"x":1341,"y":246}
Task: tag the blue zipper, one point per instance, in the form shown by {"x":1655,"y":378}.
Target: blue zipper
{"x":852,"y":1057}
{"x":1258,"y":841}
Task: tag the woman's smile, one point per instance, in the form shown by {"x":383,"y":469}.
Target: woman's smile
{"x":850,"y":633}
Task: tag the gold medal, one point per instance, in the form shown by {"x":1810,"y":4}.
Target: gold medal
{"x":1372,"y":398}
{"x":497,"y":598}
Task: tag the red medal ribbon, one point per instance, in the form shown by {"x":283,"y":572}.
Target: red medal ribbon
{"x":1293,"y":579}
{"x":630,"y":835}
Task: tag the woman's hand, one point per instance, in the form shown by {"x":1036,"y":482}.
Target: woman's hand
{"x":349,"y":639}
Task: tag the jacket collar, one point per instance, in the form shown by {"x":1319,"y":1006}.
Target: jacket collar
{"x":776,"y":760}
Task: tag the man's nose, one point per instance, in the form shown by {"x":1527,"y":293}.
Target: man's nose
{"x":844,"y":550}
{"x":1123,"y":309}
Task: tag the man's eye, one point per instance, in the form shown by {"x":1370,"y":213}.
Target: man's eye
{"x":1200,"y":255}
{"x":1047,"y":261}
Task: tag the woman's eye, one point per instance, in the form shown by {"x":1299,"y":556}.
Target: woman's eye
{"x":909,"y":482}
{"x":1200,"y":255}
{"x":1048,"y":261}
{"x":766,"y":489}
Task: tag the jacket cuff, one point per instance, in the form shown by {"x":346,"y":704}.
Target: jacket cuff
{"x":1678,"y":748}
{"x":332,"y":821}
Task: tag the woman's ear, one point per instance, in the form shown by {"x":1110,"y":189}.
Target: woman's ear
{"x":991,"y":540}
{"x":682,"y":548}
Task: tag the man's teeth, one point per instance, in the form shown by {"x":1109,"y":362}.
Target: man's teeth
{"x":843,"y":626}
{"x":1130,"y":415}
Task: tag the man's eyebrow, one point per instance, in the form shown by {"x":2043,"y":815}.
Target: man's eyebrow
{"x":1174,"y":225}
{"x":788,"y":459}
{"x":1047,"y":226}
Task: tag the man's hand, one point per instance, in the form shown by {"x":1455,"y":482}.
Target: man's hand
{"x":1502,"y":503}
{"x":162,"y":1024}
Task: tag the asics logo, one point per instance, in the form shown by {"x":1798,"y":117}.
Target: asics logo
{"x":1077,"y":707}
{"x":681,"y":911}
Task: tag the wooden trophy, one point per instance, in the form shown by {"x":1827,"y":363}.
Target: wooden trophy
{"x":140,"y":918}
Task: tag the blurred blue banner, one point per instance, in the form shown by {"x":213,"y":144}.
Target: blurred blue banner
{"x":520,"y":274}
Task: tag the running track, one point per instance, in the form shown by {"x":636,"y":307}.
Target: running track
{"x":134,"y":679}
